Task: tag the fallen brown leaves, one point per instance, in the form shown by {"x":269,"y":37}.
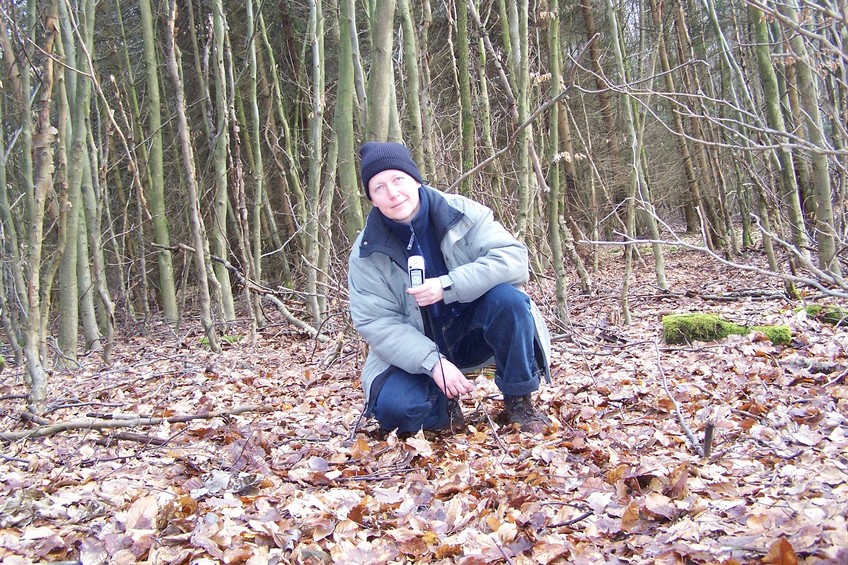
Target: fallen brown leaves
{"x":615,"y":481}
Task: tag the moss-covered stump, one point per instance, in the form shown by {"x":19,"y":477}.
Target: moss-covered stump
{"x":827,"y":314}
{"x":685,"y":328}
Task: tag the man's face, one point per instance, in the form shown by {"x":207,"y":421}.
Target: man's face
{"x":395,"y":194}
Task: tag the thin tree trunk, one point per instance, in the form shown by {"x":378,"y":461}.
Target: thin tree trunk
{"x":554,"y":174}
{"x":69,"y":177}
{"x":255,"y":301}
{"x":201,"y":253}
{"x":311,"y":249}
{"x":708,"y":220}
{"x":602,"y":86}
{"x":12,"y":297}
{"x":791,"y":202}
{"x":413,"y":82}
{"x":343,"y":126}
{"x":484,"y":111}
{"x":381,"y":75}
{"x":431,"y":171}
{"x":809,"y":94}
{"x":38,"y":166}
{"x":466,"y":120}
{"x":156,"y":188}
{"x":220,"y":149}
{"x":518,"y":24}
{"x":685,"y":155}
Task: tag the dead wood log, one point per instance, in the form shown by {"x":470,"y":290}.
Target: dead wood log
{"x":106,"y":423}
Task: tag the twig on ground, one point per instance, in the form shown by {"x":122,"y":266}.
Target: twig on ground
{"x":573,"y":521}
{"x":14,"y":459}
{"x":130,"y":436}
{"x":494,"y":431}
{"x":501,"y":549}
{"x":100,"y":423}
{"x":837,"y":378}
{"x":298,"y":323}
{"x":699,"y":449}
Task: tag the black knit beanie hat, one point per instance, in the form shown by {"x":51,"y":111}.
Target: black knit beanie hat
{"x":379,"y":156}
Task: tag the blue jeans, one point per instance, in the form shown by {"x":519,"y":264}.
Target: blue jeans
{"x":498,"y":324}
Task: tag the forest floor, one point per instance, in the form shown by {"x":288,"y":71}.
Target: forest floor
{"x":250,"y":455}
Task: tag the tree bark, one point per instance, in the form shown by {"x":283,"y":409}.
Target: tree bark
{"x":201,"y":253}
{"x":809,"y":93}
{"x":220,"y":146}
{"x":343,"y":126}
{"x":156,"y":187}
{"x":381,"y":74}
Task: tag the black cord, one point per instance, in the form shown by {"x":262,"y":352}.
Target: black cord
{"x":428,"y":326}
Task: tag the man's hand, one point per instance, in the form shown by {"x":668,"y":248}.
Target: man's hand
{"x":450,"y":379}
{"x":428,"y":293}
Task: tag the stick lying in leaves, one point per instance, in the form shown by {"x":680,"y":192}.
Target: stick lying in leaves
{"x":702,"y":450}
{"x":103,"y":423}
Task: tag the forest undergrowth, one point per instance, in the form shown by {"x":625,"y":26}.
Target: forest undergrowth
{"x":176,"y":455}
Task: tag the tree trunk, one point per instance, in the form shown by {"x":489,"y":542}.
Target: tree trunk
{"x":809,"y":94}
{"x":156,"y":187}
{"x":709,"y":218}
{"x":554,"y":174}
{"x":637,"y":180}
{"x":685,"y":155}
{"x":12,"y":285}
{"x":255,"y":144}
{"x":603,"y":88}
{"x":518,"y":14}
{"x":791,"y":202}
{"x":343,"y":127}
{"x":38,"y":166}
{"x":313,"y":201}
{"x":381,"y":75}
{"x":466,"y":120}
{"x":220,"y":143}
{"x":413,"y":82}
{"x":69,"y":177}
{"x":430,"y":171}
{"x":201,"y":253}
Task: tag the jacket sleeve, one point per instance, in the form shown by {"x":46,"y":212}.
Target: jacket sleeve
{"x":485,"y":256}
{"x":386,"y":318}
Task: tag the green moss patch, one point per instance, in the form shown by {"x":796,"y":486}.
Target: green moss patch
{"x":827,"y":314}
{"x":226,"y":338}
{"x":685,"y":328}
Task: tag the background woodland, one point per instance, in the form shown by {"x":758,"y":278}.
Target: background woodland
{"x":188,"y":160}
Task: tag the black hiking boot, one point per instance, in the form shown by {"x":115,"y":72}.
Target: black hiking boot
{"x":520,"y":410}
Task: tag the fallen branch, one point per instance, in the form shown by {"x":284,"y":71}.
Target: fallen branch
{"x":573,"y":521}
{"x":837,"y":378}
{"x":299,"y":324}
{"x":699,"y":449}
{"x":104,"y":423}
{"x":272,"y":294}
{"x":493,"y":428}
{"x":130,"y":436}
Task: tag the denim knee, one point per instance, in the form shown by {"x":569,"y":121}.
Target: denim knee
{"x":409,"y":403}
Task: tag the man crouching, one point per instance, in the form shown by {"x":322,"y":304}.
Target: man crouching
{"x":468,"y":312}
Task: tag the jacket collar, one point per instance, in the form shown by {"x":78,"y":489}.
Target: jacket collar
{"x":379,"y":237}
